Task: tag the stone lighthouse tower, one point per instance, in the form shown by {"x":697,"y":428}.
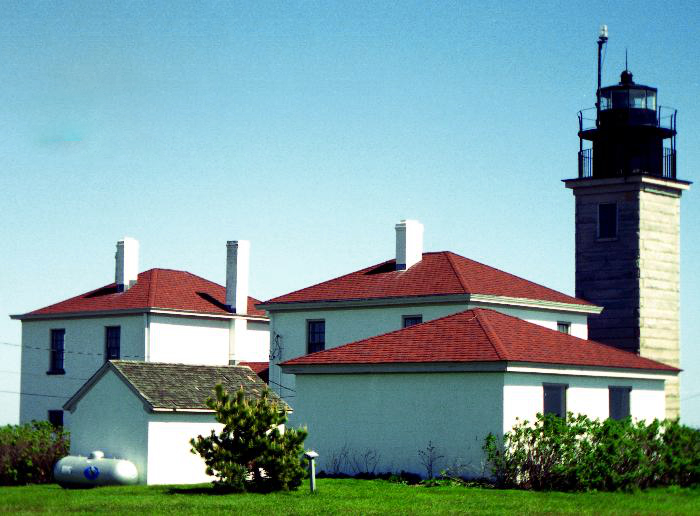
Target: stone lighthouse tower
{"x":628,"y":222}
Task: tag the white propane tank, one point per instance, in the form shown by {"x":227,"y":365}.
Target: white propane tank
{"x":94,"y":470}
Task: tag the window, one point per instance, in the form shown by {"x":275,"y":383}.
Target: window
{"x":56,"y":352}
{"x":112,"y":338}
{"x":56,"y":418}
{"x":315,"y":336}
{"x":564,"y":327}
{"x":619,"y":402}
{"x":607,"y":220}
{"x":555,"y":398}
{"x":410,"y":320}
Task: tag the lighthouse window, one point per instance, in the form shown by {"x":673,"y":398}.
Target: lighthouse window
{"x":607,"y":220}
{"x":651,"y":100}
{"x":620,"y":99}
{"x":638,"y":99}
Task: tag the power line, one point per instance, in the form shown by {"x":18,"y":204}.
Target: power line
{"x":35,"y":394}
{"x":67,"y":350}
{"x":280,"y":385}
{"x":43,"y":375}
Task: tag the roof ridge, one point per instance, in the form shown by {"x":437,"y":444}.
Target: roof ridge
{"x":490,"y":332}
{"x":502,"y":271}
{"x":456,"y":272}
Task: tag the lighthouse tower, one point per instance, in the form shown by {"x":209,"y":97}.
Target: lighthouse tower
{"x":628,"y":222}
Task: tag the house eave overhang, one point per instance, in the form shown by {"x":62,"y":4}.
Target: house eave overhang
{"x":587,"y":370}
{"x":485,"y":367}
{"x":480,"y":299}
{"x":394,"y":367}
{"x":135,"y":311}
{"x":554,"y":306}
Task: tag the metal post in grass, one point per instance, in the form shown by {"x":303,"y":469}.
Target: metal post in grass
{"x":311,"y":455}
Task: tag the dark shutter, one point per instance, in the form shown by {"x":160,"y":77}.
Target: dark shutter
{"x":112,"y":342}
{"x":57,"y":351}
{"x":555,"y":399}
{"x":619,"y":402}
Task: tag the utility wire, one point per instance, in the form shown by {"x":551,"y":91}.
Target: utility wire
{"x":67,"y":351}
{"x":35,"y":394}
{"x":43,"y":375}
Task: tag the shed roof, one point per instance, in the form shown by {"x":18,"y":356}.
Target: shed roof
{"x":179,"y":387}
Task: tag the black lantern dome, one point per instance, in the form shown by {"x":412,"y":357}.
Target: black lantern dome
{"x":629,"y":133}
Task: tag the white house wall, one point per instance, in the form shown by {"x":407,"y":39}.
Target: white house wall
{"x":112,"y":419}
{"x":169,"y":457}
{"x":188,"y":340}
{"x":257,"y":342}
{"x":397,"y":415}
{"x":546,"y":318}
{"x":524,"y":397}
{"x":84,"y":354}
{"x":346,"y":325}
{"x":198,"y":340}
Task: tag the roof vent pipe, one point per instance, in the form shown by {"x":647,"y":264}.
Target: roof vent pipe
{"x":237,"y":270}
{"x":409,"y":244}
{"x":126,"y":269}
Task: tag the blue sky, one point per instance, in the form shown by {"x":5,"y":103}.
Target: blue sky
{"x":310,"y":128}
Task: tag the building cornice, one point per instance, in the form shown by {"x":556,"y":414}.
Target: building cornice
{"x":135,"y":311}
{"x":484,"y":299}
{"x":590,"y":185}
{"x":480,"y":367}
{"x":480,"y":299}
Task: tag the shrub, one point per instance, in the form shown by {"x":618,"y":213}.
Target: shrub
{"x":250,"y":453}
{"x":28,"y":452}
{"x":577,"y":453}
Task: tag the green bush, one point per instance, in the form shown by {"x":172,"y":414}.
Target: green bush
{"x":250,"y":453}
{"x":578,"y":453}
{"x":28,"y":452}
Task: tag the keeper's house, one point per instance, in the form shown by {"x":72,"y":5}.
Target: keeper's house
{"x":435,"y":347}
{"x":160,"y":315}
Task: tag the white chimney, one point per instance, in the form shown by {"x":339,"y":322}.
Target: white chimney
{"x":409,"y":244}
{"x":127,"y":264}
{"x":237,"y":268}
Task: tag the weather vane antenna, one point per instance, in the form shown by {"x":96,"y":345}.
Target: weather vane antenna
{"x":602,"y":40}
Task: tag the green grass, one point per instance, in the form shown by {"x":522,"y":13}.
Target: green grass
{"x":347,"y":496}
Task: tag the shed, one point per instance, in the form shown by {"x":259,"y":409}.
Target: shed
{"x":147,"y":413}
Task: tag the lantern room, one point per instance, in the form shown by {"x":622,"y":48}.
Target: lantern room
{"x":630,"y":134}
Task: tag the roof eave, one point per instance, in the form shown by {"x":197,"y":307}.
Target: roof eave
{"x":433,"y":299}
{"x":135,"y":311}
{"x":395,"y":367}
{"x":485,"y":366}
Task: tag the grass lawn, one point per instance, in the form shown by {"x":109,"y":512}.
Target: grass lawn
{"x":348,"y":496}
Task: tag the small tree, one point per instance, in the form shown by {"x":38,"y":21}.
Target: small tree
{"x":251,"y":453}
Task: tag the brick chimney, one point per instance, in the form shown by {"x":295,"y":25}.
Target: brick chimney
{"x":409,"y":244}
{"x":126,"y":269}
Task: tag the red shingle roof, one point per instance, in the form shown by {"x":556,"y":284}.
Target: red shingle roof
{"x":479,"y":335}
{"x":262,"y":369}
{"x":439,"y":273}
{"x":155,"y":288}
